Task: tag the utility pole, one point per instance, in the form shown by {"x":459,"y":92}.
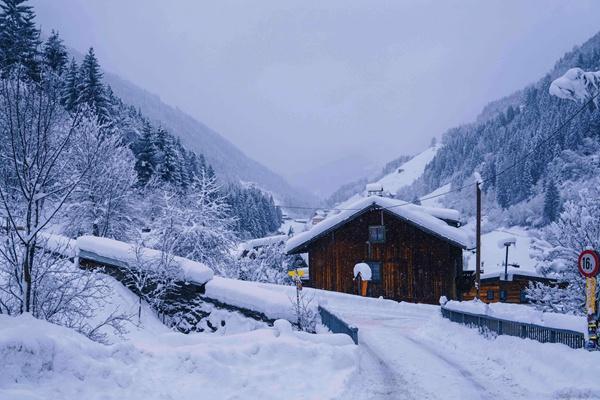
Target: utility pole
{"x":478,"y":234}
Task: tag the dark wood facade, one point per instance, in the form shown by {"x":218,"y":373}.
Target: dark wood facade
{"x":497,"y":289}
{"x":416,"y":265}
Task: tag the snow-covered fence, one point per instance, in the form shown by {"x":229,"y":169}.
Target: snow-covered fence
{"x":337,"y":325}
{"x":573,"y":339}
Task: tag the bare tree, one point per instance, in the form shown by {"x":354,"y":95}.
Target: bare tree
{"x":37,"y":175}
{"x":152,"y":275}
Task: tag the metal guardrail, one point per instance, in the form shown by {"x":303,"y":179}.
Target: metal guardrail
{"x":573,"y":339}
{"x":337,"y":325}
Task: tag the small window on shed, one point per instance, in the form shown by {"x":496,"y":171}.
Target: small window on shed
{"x":503,"y":295}
{"x":375,"y":271}
{"x":377,"y":234}
{"x":523,"y":296}
{"x":490,"y":295}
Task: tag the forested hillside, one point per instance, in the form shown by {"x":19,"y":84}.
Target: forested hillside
{"x":517,"y":148}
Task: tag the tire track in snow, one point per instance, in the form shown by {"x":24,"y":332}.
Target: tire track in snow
{"x":376,"y":379}
{"x":467,"y":375}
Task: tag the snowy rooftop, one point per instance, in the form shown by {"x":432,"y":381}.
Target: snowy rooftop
{"x":122,"y":252}
{"x":265,"y":241}
{"x":419,"y":216}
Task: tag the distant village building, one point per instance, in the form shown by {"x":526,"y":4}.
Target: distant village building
{"x":415,"y":253}
{"x":252,"y":248}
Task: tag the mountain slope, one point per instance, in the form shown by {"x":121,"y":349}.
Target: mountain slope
{"x":521,"y":143}
{"x":230,"y":163}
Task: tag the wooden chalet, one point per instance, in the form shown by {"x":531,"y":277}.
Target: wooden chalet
{"x":507,"y":288}
{"x":415,"y":253}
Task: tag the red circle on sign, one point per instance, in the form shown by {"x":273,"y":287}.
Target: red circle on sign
{"x":589,"y":263}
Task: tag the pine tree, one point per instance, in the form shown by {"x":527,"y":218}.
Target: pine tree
{"x":70,"y":90}
{"x":19,"y":38}
{"x":551,"y":202}
{"x":145,"y":165}
{"x":55,"y":54}
{"x":91,"y":89}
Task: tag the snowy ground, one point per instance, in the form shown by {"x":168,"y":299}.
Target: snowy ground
{"x":44,"y":361}
{"x":416,"y":354}
{"x":406,"y":351}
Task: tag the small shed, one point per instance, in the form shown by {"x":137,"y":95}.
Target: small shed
{"x":507,"y":288}
{"x":415,"y":253}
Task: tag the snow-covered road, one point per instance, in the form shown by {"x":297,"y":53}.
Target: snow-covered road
{"x":409,"y":351}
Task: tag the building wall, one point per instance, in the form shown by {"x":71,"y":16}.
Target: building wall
{"x":416,"y":266}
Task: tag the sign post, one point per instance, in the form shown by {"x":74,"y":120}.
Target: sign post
{"x":589,"y":266}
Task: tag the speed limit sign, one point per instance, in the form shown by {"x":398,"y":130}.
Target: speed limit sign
{"x":589,"y":263}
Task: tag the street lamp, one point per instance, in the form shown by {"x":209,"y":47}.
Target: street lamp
{"x":507,"y":243}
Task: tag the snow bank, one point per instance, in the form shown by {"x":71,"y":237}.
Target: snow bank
{"x":416,"y":215}
{"x":275,"y":303}
{"x":125,"y":253}
{"x":45,"y":361}
{"x":521,"y":313}
{"x":57,"y":243}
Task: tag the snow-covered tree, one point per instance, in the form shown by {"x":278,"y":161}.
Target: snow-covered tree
{"x":268,"y":263}
{"x":202,"y":224}
{"x":55,"y":55}
{"x":19,"y":39}
{"x":551,"y":202}
{"x":153,"y":275}
{"x":91,"y":89}
{"x":577,"y":229}
{"x":37,"y":174}
{"x":102,"y":204}
{"x":70,"y":90}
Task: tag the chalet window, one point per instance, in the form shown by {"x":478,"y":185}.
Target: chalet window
{"x":375,"y":271}
{"x":377,"y":234}
{"x":490,"y":295}
{"x":503,"y":295}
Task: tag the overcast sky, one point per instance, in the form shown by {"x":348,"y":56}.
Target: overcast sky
{"x":306,"y":82}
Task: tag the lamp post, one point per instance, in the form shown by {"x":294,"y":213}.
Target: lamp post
{"x":507,"y":243}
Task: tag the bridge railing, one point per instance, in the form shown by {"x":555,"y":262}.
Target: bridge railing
{"x":337,"y":325}
{"x":573,"y":339}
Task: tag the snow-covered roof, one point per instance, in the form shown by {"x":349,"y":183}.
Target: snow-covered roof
{"x":121,"y":252}
{"x":265,"y":241}
{"x":511,"y":273}
{"x":374,"y":187}
{"x":415,"y":215}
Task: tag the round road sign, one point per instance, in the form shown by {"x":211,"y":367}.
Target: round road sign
{"x":589,"y":263}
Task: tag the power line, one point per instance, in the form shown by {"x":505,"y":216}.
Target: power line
{"x":494,"y":176}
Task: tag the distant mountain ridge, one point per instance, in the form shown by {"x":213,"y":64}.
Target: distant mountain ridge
{"x":229,"y":162}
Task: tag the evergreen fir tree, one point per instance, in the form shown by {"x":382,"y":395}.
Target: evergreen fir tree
{"x":91,"y":90}
{"x":19,"y":38}
{"x":55,"y":54}
{"x":551,"y":203}
{"x":146,"y":158}
{"x":70,"y":91}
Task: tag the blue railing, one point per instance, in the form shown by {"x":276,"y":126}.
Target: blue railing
{"x":337,"y":325}
{"x":573,"y":339}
